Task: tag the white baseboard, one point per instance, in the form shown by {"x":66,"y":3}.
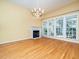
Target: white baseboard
{"x":63,"y":39}
{"x":14,"y":40}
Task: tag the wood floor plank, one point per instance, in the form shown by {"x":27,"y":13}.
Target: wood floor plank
{"x":42,"y":48}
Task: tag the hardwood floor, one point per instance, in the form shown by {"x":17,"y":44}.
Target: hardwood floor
{"x":42,"y":48}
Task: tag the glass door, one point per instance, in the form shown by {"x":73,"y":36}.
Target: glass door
{"x":51,"y":28}
{"x":71,"y":27}
{"x":44,"y":28}
{"x":59,"y":27}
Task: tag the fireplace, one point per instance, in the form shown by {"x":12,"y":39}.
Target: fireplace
{"x":36,"y":32}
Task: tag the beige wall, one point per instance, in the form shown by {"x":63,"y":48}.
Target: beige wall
{"x":15,"y":23}
{"x":68,"y":8}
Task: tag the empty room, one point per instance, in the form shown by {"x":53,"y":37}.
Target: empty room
{"x":39,"y":29}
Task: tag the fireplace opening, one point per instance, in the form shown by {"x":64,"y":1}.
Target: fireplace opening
{"x":35,"y":33}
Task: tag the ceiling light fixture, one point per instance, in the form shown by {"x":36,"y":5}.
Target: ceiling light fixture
{"x":37,"y":12}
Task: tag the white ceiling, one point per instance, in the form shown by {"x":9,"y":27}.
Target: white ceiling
{"x":48,"y":5}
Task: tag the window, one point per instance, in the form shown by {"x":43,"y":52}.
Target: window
{"x":59,"y":26}
{"x":65,"y":26}
{"x":71,"y":27}
{"x":51,"y":27}
{"x":45,"y":28}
